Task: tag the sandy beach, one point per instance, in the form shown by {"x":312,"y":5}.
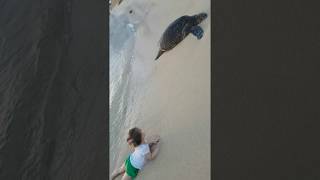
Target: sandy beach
{"x":114,"y":3}
{"x":176,"y":100}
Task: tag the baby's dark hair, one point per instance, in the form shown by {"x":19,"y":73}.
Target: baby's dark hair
{"x":135,"y":136}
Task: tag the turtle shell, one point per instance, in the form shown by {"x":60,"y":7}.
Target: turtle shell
{"x":175,"y":33}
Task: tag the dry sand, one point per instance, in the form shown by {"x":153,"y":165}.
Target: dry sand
{"x":176,"y":104}
{"x":114,"y":3}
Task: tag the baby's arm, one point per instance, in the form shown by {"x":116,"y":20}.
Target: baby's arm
{"x":154,"y":150}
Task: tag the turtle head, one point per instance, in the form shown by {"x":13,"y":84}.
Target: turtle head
{"x":200,"y":17}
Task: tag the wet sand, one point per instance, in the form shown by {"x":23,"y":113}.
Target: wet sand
{"x":176,"y":104}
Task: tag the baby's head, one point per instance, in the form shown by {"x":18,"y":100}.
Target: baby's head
{"x":135,"y":136}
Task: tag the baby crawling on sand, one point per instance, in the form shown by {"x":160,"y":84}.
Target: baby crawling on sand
{"x":143,"y":151}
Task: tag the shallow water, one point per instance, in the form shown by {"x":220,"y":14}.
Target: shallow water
{"x":128,"y":79}
{"x":121,"y":44}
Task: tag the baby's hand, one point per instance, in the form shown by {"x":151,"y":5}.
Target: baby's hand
{"x":157,"y":138}
{"x":154,"y":139}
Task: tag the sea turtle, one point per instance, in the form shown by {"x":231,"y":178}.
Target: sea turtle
{"x":179,"y":29}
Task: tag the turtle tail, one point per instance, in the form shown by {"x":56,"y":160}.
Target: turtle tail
{"x":159,"y":53}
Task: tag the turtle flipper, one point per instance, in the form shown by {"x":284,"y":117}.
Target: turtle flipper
{"x":159,"y":53}
{"x":197,"y":31}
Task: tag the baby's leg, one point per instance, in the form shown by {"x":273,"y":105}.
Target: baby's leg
{"x":126,"y":177}
{"x":118,"y":172}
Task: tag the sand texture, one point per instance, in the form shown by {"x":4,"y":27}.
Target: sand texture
{"x":176,"y":101}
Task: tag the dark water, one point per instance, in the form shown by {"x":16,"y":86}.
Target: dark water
{"x":53,"y":99}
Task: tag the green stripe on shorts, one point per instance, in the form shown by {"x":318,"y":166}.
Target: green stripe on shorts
{"x":130,"y":170}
